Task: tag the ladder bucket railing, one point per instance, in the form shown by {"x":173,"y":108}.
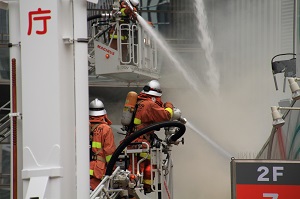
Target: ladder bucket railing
{"x":122,"y":51}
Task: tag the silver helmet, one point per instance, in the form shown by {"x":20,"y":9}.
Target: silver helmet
{"x":152,"y":88}
{"x":97,"y":108}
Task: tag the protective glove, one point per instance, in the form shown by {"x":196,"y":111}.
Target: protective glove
{"x":168,"y":105}
{"x":133,"y":15}
{"x":123,"y":4}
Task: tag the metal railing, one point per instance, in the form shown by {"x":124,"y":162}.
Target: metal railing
{"x":136,"y":49}
{"x":4,"y":180}
{"x":4,"y":39}
{"x":5,"y":131}
{"x":284,"y":142}
{"x":4,"y":123}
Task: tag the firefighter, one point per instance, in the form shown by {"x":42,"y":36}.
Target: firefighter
{"x":102,"y":144}
{"x":127,"y":15}
{"x":128,"y":11}
{"x":150,"y":110}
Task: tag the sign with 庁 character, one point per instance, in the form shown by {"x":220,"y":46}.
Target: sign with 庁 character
{"x":265,"y":179}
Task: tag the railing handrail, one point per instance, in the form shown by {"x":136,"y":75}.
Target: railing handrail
{"x":4,"y":175}
{"x":3,"y":107}
{"x":4,"y":124}
{"x":4,"y":118}
{"x":4,"y":133}
{"x":4,"y":136}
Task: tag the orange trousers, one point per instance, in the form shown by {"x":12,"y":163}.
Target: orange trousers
{"x":144,"y":167}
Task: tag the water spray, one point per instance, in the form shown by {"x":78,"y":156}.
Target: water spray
{"x":213,"y":73}
{"x":130,"y":6}
{"x":189,"y":77}
{"x":210,"y":141}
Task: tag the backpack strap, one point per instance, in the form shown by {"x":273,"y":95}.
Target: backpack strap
{"x":94,"y":127}
{"x":98,"y":157}
{"x":131,"y":125}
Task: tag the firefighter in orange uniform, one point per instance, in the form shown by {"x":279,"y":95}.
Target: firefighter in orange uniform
{"x":102,"y":144}
{"x":150,"y":110}
{"x":127,"y":15}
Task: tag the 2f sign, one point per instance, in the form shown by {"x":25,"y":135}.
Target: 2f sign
{"x":263,"y":177}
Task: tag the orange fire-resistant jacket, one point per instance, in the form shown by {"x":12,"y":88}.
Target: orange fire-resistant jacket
{"x":150,"y":110}
{"x":103,"y":145}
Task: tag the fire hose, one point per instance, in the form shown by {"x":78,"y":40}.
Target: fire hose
{"x":181,"y":130}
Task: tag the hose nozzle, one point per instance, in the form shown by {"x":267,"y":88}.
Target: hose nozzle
{"x":182,"y":120}
{"x":129,"y":5}
{"x":177,"y":116}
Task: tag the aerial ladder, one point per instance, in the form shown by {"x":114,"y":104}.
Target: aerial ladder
{"x":120,"y":183}
{"x":139,"y":64}
{"x":135,"y":58}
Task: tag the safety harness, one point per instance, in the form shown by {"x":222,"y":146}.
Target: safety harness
{"x":94,"y":155}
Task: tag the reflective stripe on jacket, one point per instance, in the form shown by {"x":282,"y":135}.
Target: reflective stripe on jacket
{"x":149,"y":112}
{"x":103,"y":146}
{"x":115,"y":36}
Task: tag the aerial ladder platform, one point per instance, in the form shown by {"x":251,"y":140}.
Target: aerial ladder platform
{"x":135,"y":58}
{"x":121,"y":183}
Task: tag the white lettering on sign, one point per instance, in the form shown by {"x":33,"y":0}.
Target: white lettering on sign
{"x":270,"y":195}
{"x":277,"y":173}
{"x":265,"y":171}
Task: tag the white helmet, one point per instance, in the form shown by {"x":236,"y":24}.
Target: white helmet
{"x":135,"y":2}
{"x":152,"y":88}
{"x":97,"y":108}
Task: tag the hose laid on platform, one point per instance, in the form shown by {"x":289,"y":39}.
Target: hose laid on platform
{"x":133,"y":136}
